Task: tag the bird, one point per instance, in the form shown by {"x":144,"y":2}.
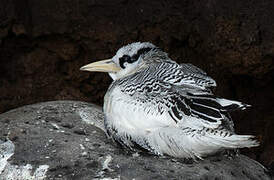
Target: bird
{"x":165,"y":108}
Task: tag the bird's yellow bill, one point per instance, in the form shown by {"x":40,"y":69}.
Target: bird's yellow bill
{"x":101,"y":66}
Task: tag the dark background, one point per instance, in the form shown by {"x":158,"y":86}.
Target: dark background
{"x":44,"y":43}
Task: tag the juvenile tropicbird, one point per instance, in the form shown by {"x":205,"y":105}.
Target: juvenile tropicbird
{"x":164,"y":107}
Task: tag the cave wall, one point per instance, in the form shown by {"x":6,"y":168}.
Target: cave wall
{"x":44,"y":43}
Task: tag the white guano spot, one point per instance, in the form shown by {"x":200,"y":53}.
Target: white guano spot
{"x":14,"y":172}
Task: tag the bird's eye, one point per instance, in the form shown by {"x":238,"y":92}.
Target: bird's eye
{"x":123,"y":60}
{"x":135,"y":57}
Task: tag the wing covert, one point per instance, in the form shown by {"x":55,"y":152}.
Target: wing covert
{"x":184,"y":75}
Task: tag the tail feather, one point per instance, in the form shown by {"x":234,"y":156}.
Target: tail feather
{"x":236,"y":141}
{"x":191,"y":144}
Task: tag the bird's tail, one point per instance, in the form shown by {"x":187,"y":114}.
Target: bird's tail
{"x":211,"y":143}
{"x":193,"y":144}
{"x":234,"y":141}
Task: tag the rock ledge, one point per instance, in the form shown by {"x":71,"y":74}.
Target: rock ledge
{"x":65,"y":140}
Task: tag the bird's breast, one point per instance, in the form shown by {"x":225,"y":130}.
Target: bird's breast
{"x":132,"y":113}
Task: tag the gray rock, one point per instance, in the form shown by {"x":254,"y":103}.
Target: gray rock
{"x":66,"y":140}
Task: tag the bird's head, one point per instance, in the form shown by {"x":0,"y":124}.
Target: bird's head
{"x":128,"y":60}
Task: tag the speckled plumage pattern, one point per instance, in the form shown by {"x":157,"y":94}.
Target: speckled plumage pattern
{"x":168,"y":108}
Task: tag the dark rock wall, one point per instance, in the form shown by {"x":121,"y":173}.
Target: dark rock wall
{"x":43,"y":43}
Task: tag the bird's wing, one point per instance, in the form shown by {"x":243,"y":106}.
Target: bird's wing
{"x":192,"y":107}
{"x":185,"y":75}
{"x":195,"y":108}
{"x":166,"y":88}
{"x":190,"y":68}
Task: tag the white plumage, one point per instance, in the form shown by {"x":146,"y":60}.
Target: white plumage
{"x":164,"y":107}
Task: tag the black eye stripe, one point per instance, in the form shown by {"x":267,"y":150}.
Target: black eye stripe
{"x":135,"y":57}
{"x":123,"y":59}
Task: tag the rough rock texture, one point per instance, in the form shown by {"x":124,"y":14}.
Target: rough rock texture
{"x":43,"y":43}
{"x":64,"y":140}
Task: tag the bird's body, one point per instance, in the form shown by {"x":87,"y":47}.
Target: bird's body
{"x":167,"y":108}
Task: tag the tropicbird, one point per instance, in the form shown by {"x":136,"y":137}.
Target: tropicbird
{"x":164,"y":107}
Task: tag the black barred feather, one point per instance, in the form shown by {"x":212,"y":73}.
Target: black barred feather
{"x":174,"y":88}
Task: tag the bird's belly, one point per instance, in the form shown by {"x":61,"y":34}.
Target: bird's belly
{"x":127,"y":115}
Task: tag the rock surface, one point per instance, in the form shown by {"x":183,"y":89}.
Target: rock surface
{"x":65,"y":140}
